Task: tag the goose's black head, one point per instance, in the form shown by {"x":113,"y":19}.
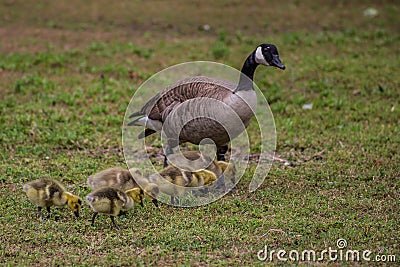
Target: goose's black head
{"x":267,"y":54}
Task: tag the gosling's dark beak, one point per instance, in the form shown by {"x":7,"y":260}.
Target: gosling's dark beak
{"x":155,"y":202}
{"x":76,"y":213}
{"x":141,"y":203}
{"x":276,"y":62}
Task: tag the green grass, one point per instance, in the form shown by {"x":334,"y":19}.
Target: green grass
{"x":59,"y":118}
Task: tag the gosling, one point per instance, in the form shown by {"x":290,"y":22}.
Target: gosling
{"x":122,"y":179}
{"x":47,"y":192}
{"x":173,"y":175}
{"x":116,"y":177}
{"x":111,"y":201}
{"x":225,"y":171}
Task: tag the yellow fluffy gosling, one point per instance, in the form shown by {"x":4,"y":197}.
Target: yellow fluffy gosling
{"x":47,"y":192}
{"x":122,"y":179}
{"x":111,"y":201}
{"x":116,"y":177}
{"x":173,"y":175}
{"x":225,"y":171}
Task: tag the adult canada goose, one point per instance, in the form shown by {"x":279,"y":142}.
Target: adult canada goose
{"x":241,"y":98}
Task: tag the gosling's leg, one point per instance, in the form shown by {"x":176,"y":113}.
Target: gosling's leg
{"x":165,"y":163}
{"x":155,"y":202}
{"x":174,"y":201}
{"x":221,"y":151}
{"x":94,"y":217}
{"x":122,"y":213}
{"x":48,"y":211}
{"x":113,"y":221}
{"x":168,"y":151}
{"x":39,"y":209}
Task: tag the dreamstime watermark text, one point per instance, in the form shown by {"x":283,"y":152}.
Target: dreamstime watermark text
{"x":338,"y":253}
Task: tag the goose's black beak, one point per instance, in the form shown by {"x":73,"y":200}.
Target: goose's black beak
{"x":276,"y":62}
{"x":155,"y":202}
{"x":76,"y":213}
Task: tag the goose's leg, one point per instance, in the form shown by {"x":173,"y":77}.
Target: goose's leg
{"x":40,"y":212}
{"x":94,"y":217}
{"x":48,"y":211}
{"x":165,"y":162}
{"x":168,"y":151}
{"x":221,"y":150}
{"x":122,"y":213}
{"x":113,"y":222}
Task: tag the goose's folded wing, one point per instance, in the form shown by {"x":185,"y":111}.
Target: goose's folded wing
{"x":163,"y":103}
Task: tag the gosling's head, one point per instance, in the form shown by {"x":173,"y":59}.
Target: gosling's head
{"x":74,"y":203}
{"x":152,"y":191}
{"x":136,"y":194}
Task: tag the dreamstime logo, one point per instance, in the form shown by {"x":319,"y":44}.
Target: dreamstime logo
{"x":341,"y":243}
{"x":341,"y":253}
{"x":223,"y":117}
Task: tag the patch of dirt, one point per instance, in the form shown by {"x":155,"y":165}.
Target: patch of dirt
{"x":31,"y":39}
{"x":35,"y":26}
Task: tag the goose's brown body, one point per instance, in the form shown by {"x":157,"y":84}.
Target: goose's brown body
{"x":212,"y":104}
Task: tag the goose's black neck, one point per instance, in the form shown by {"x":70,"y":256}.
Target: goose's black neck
{"x":247,"y":74}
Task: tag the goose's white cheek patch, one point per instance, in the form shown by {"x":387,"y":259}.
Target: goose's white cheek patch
{"x":260,"y":57}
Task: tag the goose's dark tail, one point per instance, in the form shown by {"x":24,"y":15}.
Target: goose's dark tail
{"x":145,"y":133}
